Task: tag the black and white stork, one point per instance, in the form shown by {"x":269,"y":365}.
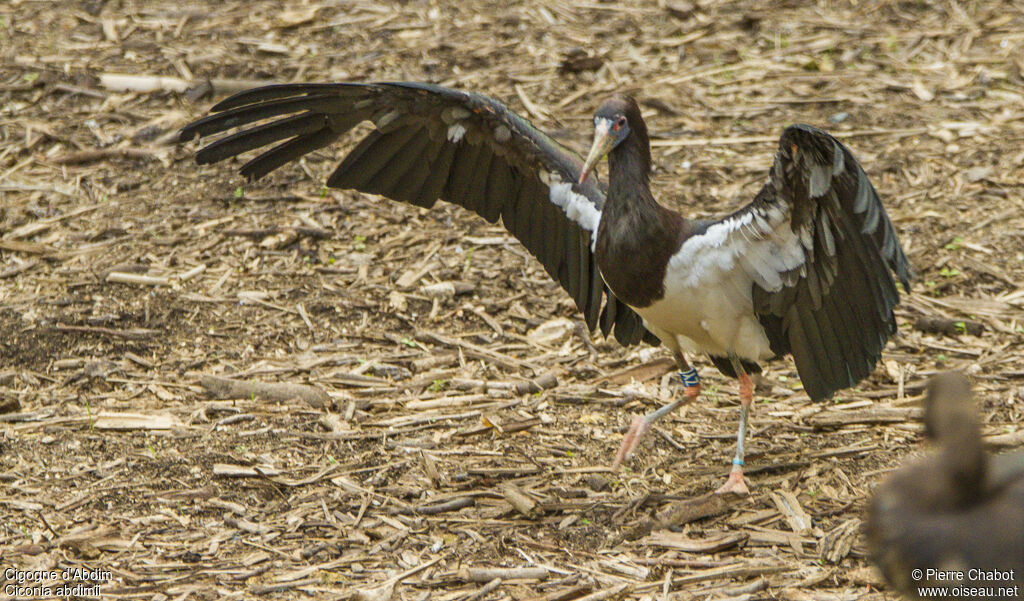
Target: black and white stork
{"x":954,"y":513}
{"x":804,"y":269}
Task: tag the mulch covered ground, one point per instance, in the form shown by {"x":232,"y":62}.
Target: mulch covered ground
{"x":455,"y":442}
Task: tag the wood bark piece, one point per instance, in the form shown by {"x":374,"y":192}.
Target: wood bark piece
{"x":680,"y":542}
{"x":121,"y":82}
{"x":128,"y":333}
{"x":446,"y":290}
{"x":608,"y":593}
{"x":1012,"y":439}
{"x":244,"y":471}
{"x":684,"y":512}
{"x":838,"y":542}
{"x":135,"y":421}
{"x":484,"y":590}
{"x":101,"y":154}
{"x":948,"y":327}
{"x":640,"y":373}
{"x":227,"y":388}
{"x":479,"y":352}
{"x":877,"y":415}
{"x":445,"y":507}
{"x":519,"y":500}
{"x":135,"y":278}
{"x":564,"y":594}
{"x":489,"y":574}
{"x":21,"y":246}
{"x":790,"y":507}
{"x":568,"y":594}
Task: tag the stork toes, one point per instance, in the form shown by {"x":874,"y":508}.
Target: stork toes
{"x":735,"y":484}
{"x":637,"y":429}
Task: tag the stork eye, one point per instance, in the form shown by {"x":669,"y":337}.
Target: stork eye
{"x":620,"y":123}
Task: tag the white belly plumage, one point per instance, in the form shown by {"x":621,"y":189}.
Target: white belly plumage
{"x":714,"y":317}
{"x":707,"y":305}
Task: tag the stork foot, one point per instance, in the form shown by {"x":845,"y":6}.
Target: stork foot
{"x":637,"y":429}
{"x":735,"y":484}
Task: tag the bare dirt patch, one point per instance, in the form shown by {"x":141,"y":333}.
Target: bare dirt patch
{"x":409,"y":465}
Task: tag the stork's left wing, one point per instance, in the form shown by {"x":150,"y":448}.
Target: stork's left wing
{"x":820,"y":250}
{"x":430,"y":142}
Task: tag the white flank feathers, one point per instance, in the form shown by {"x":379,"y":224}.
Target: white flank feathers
{"x":760,"y":240}
{"x":707,"y":302}
{"x":577,"y":207}
{"x":456,"y":131}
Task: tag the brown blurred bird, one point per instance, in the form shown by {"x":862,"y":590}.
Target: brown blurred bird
{"x":954,"y":518}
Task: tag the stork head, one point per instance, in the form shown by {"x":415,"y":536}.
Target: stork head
{"x":615,"y":120}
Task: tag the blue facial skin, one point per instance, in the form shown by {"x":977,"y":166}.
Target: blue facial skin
{"x":617,"y":127}
{"x":609,"y":132}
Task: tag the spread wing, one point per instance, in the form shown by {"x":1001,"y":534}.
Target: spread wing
{"x":821,"y":251}
{"x":433,"y":142}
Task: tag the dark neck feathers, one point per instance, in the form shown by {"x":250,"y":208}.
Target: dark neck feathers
{"x":637,"y":236}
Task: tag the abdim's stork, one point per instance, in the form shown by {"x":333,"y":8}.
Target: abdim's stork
{"x":803,"y":269}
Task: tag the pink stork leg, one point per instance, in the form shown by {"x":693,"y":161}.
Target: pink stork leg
{"x":641,"y":424}
{"x":736,"y":483}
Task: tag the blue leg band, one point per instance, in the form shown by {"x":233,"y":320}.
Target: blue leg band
{"x":690,"y":378}
{"x":738,"y":462}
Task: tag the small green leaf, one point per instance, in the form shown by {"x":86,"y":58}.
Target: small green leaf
{"x":239,"y":192}
{"x":955,"y":244}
